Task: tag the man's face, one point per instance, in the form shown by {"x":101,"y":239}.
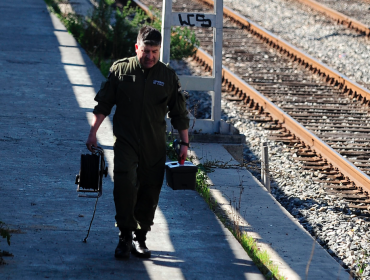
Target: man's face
{"x":147,"y":55}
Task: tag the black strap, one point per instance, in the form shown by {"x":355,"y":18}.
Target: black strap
{"x":88,"y":231}
{"x":184,"y":143}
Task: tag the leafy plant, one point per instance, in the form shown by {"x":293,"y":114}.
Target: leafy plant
{"x":170,"y":150}
{"x":183,"y":40}
{"x":98,"y":31}
{"x":106,"y":40}
{"x":183,"y":43}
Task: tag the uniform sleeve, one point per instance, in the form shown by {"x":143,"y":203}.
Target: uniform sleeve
{"x":177,"y":107}
{"x":106,"y":96}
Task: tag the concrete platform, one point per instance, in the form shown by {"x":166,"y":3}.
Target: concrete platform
{"x":244,"y":200}
{"x":47,"y":88}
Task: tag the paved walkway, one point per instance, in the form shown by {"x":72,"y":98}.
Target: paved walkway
{"x":47,"y":87}
{"x":247,"y":203}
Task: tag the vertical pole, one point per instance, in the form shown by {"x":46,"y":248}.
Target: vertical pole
{"x":166,"y":30}
{"x":265,"y":167}
{"x":217,"y":65}
{"x":262,"y":163}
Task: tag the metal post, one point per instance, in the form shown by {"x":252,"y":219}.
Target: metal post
{"x":217,"y":64}
{"x":166,"y":30}
{"x":214,"y":83}
{"x":262,"y":163}
{"x":265,"y":174}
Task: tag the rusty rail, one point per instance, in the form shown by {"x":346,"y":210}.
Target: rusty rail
{"x":339,"y":17}
{"x":310,"y":139}
{"x":316,"y":66}
{"x":144,"y":7}
{"x":332,"y":76}
{"x":349,"y":170}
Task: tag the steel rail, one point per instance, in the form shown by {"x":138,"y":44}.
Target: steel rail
{"x":145,"y":8}
{"x":339,"y":17}
{"x":359,"y":178}
{"x":334,"y":77}
{"x":348,"y":169}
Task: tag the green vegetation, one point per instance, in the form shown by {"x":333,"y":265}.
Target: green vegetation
{"x":183,"y":42}
{"x":202,"y":185}
{"x":260,"y":258}
{"x":361,"y":264}
{"x":109,"y":34}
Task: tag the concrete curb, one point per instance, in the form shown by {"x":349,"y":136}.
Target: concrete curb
{"x":245,"y":201}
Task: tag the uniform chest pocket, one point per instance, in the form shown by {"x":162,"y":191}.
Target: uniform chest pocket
{"x":127,"y":97}
{"x":126,"y":88}
{"x":158,"y":92}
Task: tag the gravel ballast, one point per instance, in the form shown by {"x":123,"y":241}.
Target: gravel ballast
{"x":339,"y":47}
{"x":324,"y":216}
{"x":357,"y":9}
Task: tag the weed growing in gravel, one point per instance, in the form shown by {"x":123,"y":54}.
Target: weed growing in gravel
{"x":361,"y":264}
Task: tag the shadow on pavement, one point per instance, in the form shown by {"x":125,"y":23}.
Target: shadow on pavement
{"x":47,"y":88}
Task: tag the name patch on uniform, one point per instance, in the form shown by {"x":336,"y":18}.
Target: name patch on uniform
{"x":158,"y":83}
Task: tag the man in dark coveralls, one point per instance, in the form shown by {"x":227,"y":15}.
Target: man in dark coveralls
{"x":143,"y":90}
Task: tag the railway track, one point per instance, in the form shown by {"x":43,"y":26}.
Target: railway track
{"x":354,"y":14}
{"x":298,"y":89}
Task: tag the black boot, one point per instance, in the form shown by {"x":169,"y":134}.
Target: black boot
{"x":139,"y":248}
{"x":124,"y":245}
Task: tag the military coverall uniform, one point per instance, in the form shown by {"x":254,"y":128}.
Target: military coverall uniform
{"x":142,"y":98}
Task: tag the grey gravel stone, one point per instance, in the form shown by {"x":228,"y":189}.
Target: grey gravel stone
{"x":341,"y":48}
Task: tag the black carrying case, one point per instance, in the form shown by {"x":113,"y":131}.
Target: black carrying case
{"x":92,"y":170}
{"x":181,"y":177}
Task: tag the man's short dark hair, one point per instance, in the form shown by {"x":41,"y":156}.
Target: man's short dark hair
{"x":149,"y":36}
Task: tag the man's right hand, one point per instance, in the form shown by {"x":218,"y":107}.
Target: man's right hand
{"x":91,"y":141}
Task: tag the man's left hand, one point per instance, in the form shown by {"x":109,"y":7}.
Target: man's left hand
{"x":183,"y":152}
